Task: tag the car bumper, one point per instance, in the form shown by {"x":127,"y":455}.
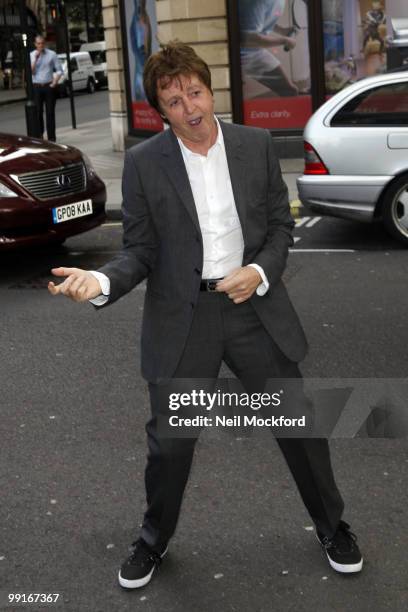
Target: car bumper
{"x":29,"y":223}
{"x":348,"y":197}
{"x":43,"y":236}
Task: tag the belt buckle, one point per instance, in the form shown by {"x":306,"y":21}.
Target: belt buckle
{"x":211,"y":284}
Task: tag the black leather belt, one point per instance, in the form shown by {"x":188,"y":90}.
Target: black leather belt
{"x":42,"y":84}
{"x":209,"y":284}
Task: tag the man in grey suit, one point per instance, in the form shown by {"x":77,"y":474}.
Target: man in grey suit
{"x":207,"y":222}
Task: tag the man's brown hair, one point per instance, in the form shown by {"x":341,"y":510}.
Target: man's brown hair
{"x":172,"y":61}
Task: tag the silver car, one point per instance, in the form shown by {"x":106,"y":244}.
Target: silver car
{"x":356,"y":154}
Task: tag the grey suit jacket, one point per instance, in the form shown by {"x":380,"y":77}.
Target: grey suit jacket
{"x":162,"y":242}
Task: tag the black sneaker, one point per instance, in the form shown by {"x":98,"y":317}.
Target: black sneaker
{"x":138,"y":569}
{"x":342,"y":550}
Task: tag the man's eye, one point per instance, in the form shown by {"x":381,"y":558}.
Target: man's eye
{"x":196,"y":93}
{"x":173,"y":103}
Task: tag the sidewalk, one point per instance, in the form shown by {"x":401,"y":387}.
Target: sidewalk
{"x":94,"y":139}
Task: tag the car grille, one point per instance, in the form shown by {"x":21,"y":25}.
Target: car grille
{"x":47,"y":184}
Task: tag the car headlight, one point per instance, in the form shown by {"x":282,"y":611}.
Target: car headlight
{"x":5,"y":192}
{"x":88,"y":165}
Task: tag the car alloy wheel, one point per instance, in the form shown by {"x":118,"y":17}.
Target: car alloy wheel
{"x":395,"y":209}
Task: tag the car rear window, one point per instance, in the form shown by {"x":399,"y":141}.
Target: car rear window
{"x":386,"y":105}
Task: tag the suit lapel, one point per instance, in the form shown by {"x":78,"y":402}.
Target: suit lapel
{"x":173,"y":165}
{"x":237,"y":168}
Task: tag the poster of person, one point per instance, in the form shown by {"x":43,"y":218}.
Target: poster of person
{"x":355,"y":33}
{"x":374,"y":36}
{"x":141,"y":31}
{"x":275,"y":67}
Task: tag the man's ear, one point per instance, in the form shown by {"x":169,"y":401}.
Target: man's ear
{"x":162,"y":115}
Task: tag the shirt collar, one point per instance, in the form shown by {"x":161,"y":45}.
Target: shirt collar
{"x":218,"y":143}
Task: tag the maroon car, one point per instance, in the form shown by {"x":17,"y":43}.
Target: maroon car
{"x":48,"y":192}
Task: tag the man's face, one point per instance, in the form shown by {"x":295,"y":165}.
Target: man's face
{"x":39,"y":44}
{"x":189,"y":108}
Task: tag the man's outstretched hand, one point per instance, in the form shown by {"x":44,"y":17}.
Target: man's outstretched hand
{"x":240,"y":284}
{"x":79,"y":285}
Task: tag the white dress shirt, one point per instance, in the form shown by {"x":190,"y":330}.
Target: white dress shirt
{"x":223,"y":242}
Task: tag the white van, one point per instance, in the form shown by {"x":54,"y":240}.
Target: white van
{"x":97,"y":51}
{"x":82,"y":72}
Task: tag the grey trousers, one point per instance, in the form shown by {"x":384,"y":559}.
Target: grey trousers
{"x":233,"y":333}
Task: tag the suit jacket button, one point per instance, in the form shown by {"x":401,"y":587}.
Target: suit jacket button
{"x":192,"y":304}
{"x":197,"y":270}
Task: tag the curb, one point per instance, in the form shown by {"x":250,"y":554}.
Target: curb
{"x":295,"y":206}
{"x":113,"y":214}
{"x":13,"y":101}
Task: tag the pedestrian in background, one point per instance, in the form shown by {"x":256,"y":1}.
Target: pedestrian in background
{"x":47,"y":70}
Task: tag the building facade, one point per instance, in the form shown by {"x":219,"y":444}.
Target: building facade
{"x":317,"y":47}
{"x":201,"y":24}
{"x":273,"y":62}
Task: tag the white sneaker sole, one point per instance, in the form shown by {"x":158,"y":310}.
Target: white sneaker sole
{"x":349,"y":568}
{"x":140,"y":582}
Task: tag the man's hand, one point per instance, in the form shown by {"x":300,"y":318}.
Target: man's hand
{"x":240,"y":284}
{"x":80,"y":285}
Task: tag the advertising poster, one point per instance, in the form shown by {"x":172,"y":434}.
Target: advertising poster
{"x":355,"y":37}
{"x":141,"y":36}
{"x":275,"y":67}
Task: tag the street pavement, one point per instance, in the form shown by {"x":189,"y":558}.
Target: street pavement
{"x":11,"y":96}
{"x":73,"y":409}
{"x":88,"y":107}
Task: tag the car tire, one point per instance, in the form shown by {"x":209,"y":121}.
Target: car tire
{"x":90,"y":86}
{"x":395,"y":209}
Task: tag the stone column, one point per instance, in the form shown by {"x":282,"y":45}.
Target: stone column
{"x":116,"y":77}
{"x":203,"y":25}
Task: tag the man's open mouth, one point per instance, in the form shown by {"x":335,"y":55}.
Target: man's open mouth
{"x":195,"y":121}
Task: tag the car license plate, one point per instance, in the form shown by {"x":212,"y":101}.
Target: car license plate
{"x":71,"y":211}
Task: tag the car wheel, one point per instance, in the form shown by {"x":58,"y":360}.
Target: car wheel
{"x":91,"y":86}
{"x":395,"y":210}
